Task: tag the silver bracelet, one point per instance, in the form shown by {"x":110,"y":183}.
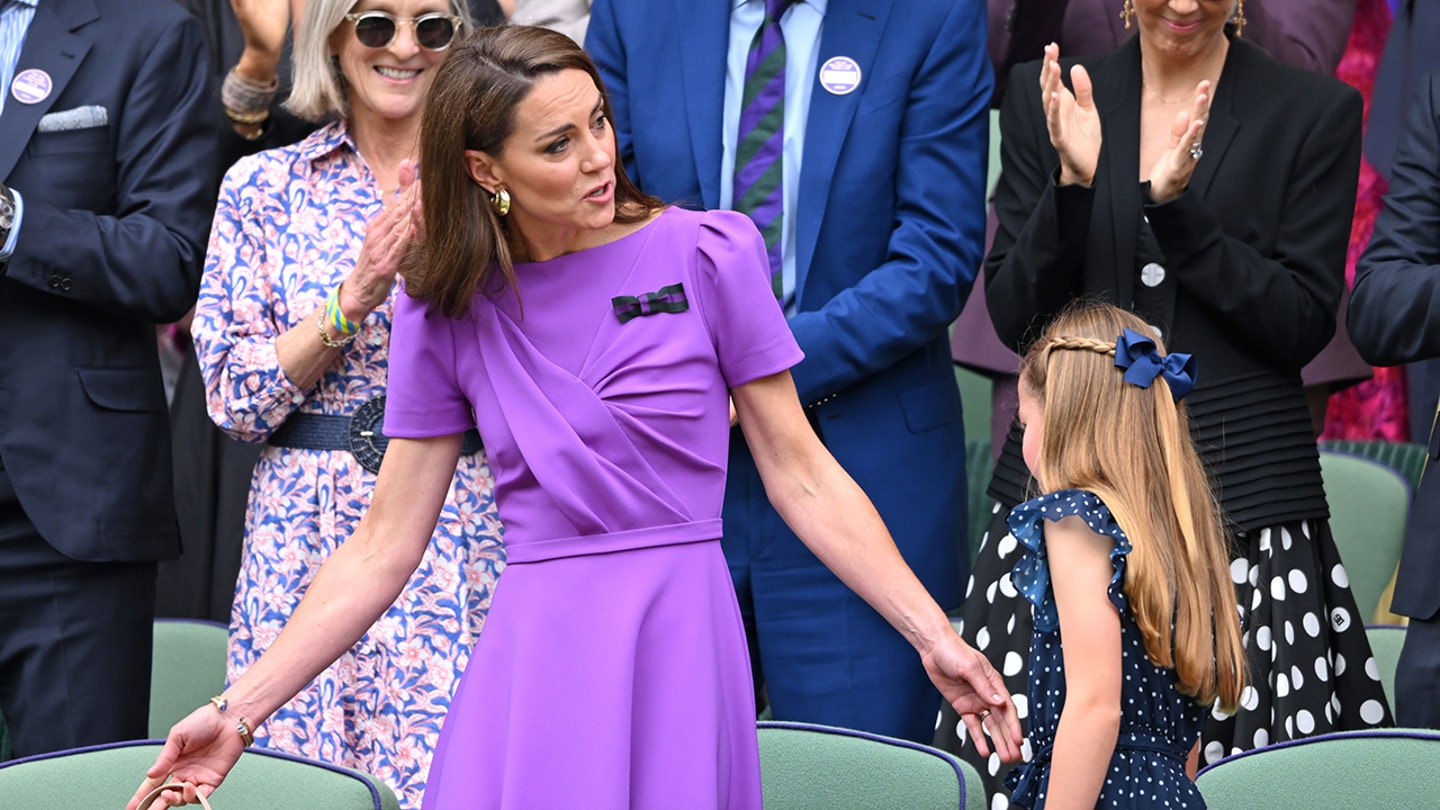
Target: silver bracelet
{"x":243,"y":97}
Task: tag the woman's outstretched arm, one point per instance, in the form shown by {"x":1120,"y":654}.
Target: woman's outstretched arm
{"x":834,"y":518}
{"x":357,"y":583}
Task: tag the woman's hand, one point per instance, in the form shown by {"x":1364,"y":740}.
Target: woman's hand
{"x":1071,"y":118}
{"x":386,"y":238}
{"x":1171,"y":173}
{"x":200,"y":751}
{"x":976,"y":690}
{"x":263,"y":23}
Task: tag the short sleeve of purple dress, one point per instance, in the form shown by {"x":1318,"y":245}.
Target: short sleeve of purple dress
{"x":613,"y":671}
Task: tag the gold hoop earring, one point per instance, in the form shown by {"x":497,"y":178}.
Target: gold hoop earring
{"x":1239,"y":18}
{"x":500,"y":201}
{"x":1128,"y":13}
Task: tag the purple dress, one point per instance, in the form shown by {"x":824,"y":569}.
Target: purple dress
{"x":613,"y":672}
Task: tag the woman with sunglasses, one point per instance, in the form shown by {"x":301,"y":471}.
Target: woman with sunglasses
{"x":596,"y":338}
{"x":292,"y":333}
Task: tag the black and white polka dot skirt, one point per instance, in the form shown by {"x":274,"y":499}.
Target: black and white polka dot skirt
{"x":1311,"y":670}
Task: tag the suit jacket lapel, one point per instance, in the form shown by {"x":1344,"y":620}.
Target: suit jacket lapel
{"x":1220,"y":130}
{"x":851,"y":29}
{"x":50,"y":46}
{"x":1120,"y":156}
{"x":702,"y":55}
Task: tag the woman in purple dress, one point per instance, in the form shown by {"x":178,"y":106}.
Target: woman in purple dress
{"x":595,"y":338}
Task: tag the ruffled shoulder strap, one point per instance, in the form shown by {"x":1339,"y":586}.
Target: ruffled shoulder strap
{"x":1031,"y":575}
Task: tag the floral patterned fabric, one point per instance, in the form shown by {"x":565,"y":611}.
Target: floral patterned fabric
{"x":288,"y":229}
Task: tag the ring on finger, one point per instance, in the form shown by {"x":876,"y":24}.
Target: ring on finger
{"x":1196,"y":151}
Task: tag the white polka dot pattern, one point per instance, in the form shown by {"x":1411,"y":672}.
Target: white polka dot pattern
{"x":1313,"y":632}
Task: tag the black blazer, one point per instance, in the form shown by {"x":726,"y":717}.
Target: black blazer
{"x":1395,"y":318}
{"x":113,"y":234}
{"x":1253,"y":252}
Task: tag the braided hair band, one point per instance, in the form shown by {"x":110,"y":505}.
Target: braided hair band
{"x":1140,"y":359}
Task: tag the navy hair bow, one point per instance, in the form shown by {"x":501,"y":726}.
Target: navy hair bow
{"x":1142,"y":363}
{"x":665,"y":299}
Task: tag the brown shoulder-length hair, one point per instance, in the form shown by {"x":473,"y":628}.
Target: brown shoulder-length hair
{"x":1132,"y":447}
{"x":471,"y":104}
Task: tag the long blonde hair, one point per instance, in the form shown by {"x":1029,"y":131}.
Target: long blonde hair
{"x":1131,"y":446}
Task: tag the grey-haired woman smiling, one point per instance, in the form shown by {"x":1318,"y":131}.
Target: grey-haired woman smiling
{"x":292,"y":330}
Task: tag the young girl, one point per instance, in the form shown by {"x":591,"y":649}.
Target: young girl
{"x":1125,"y":558}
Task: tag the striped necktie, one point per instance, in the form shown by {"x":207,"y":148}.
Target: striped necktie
{"x":762,"y":136}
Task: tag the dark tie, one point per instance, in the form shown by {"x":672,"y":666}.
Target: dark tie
{"x":762,"y":135}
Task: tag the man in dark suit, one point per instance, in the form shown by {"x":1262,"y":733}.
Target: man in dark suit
{"x":1395,"y":318}
{"x":882,"y":223}
{"x":106,"y":140}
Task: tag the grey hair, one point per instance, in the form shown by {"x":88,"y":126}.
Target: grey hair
{"x":317,"y":89}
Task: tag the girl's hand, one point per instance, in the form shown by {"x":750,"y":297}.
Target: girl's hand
{"x":386,"y":238}
{"x":200,"y":751}
{"x":1172,"y":170}
{"x":1071,"y":118}
{"x":976,"y":690}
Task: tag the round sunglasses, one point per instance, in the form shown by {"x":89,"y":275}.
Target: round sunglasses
{"x":377,"y":29}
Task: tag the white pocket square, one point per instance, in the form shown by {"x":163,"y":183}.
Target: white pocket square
{"x":91,"y":115}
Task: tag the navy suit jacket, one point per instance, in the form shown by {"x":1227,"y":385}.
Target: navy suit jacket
{"x":889,"y":223}
{"x":1395,"y":318}
{"x":113,"y":234}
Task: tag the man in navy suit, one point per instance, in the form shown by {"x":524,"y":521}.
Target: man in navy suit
{"x":885,"y":137}
{"x":106,"y":148}
{"x":1395,"y":318}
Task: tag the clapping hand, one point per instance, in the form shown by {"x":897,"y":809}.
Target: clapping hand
{"x":386,"y":239}
{"x":1071,"y":119}
{"x":263,"y":24}
{"x":1172,"y":170}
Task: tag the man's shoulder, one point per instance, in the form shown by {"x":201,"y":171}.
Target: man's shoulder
{"x":131,"y":23}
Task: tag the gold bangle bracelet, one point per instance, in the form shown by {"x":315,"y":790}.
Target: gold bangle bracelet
{"x":247,"y":118}
{"x":242,"y":727}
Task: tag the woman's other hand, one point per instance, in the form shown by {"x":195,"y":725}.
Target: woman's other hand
{"x":263,"y":23}
{"x":200,"y":750}
{"x":1171,"y":173}
{"x":1071,"y":118}
{"x":967,"y":680}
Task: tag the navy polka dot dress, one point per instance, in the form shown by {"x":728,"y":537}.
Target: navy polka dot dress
{"x":1158,"y":725}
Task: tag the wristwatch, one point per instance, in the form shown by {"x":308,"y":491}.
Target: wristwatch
{"x":7,"y":214}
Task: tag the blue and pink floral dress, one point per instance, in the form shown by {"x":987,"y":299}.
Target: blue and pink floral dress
{"x":288,"y":229}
